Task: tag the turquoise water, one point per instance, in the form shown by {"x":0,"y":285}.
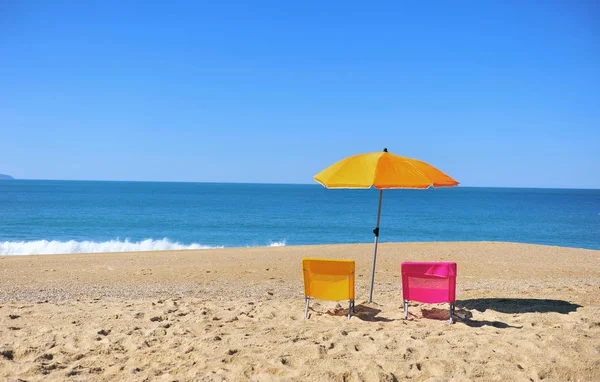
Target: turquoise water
{"x":74,"y":216}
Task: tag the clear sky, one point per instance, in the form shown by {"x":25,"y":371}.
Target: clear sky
{"x":502,"y":93}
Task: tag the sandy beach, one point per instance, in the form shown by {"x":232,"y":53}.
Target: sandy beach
{"x":524,"y":312}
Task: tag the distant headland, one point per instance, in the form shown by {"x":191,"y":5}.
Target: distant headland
{"x":6,"y":177}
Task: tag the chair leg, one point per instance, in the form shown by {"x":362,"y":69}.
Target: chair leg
{"x":307,"y":299}
{"x":350,"y":307}
{"x":451,"y":313}
{"x":406,"y":309}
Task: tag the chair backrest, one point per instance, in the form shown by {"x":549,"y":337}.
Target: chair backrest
{"x":327,"y":279}
{"x":429,"y":282}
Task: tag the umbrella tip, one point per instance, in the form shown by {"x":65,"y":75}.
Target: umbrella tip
{"x":385,"y":150}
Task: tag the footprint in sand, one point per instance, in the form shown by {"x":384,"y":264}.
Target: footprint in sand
{"x":8,"y":354}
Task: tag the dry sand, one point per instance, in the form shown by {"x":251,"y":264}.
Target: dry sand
{"x":525,"y":312}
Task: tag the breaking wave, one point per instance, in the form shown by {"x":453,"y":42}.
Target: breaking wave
{"x":45,"y":247}
{"x":277,"y":243}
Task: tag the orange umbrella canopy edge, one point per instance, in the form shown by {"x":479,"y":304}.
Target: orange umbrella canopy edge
{"x":383,"y":170}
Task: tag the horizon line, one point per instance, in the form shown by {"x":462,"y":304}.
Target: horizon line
{"x":286,"y":183}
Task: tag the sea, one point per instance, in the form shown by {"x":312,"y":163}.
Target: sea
{"x":46,"y":217}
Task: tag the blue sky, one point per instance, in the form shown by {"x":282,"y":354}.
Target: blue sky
{"x":500,"y":93}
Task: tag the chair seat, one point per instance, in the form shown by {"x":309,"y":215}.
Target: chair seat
{"x":429,"y":282}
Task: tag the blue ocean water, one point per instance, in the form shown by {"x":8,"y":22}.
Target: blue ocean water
{"x":86,"y":216}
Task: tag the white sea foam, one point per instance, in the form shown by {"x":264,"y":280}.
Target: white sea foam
{"x":280,"y":243}
{"x":45,"y":247}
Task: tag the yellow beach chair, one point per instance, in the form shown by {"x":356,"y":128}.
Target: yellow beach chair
{"x":331,"y":280}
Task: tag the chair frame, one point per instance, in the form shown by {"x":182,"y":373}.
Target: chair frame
{"x":452,"y":307}
{"x":350,"y":307}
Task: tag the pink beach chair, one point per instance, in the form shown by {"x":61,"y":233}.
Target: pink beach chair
{"x":429,"y":282}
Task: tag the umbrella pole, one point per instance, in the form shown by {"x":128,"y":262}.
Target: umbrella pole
{"x":376,"y":232}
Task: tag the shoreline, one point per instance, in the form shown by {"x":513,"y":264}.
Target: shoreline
{"x":523,"y":312}
{"x":275,"y":244}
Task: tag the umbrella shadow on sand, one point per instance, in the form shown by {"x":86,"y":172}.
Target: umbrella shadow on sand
{"x":362,"y":312}
{"x":509,"y":306}
{"x":518,"y":305}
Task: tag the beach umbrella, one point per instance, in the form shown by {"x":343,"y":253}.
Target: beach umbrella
{"x":382,"y":170}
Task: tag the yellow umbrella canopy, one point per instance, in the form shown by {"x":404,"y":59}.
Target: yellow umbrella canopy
{"x":382,"y":170}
